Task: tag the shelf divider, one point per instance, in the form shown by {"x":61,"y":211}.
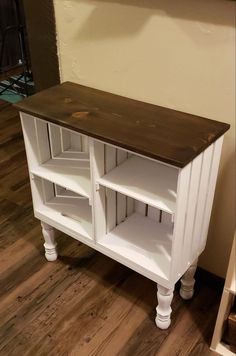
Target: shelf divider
{"x":144,"y":180}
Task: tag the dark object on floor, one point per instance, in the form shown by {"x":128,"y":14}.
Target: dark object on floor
{"x":18,"y":30}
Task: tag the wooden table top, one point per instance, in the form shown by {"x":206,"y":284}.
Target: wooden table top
{"x":164,"y":134}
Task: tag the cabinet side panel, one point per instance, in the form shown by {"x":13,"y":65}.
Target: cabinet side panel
{"x":28,"y":128}
{"x":201,"y":201}
{"x":191,"y":211}
{"x":180,"y":222}
{"x":42,"y":136}
{"x":210,"y":191}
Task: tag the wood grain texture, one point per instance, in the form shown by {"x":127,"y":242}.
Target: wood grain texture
{"x":84,"y":303}
{"x":157,"y":132}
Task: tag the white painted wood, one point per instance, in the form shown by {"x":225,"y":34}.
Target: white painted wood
{"x":75,"y":213}
{"x":223,"y":349}
{"x":84,"y":144}
{"x":210,"y":192}
{"x":146,"y":181}
{"x":72,"y":155}
{"x":167,"y":219}
{"x":48,"y":190}
{"x":42,"y":137}
{"x":195,"y":174}
{"x":65,"y":140}
{"x":50,"y":244}
{"x":29,"y":134}
{"x":55,"y":140}
{"x":140,"y":207}
{"x":163,"y":310}
{"x":143,"y":242}
{"x":75,"y":179}
{"x":99,"y":202}
{"x":121,"y":156}
{"x":63,"y":192}
{"x":120,"y":208}
{"x":230,"y":282}
{"x":187,"y":282}
{"x":129,"y":206}
{"x":179,"y":223}
{"x":110,"y":163}
{"x":75,"y":141}
{"x":202,"y":195}
{"x":153,"y":213}
{"x":67,"y":163}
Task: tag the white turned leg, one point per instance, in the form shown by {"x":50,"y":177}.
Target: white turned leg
{"x":187,"y":282}
{"x":164,"y":297}
{"x":50,"y":244}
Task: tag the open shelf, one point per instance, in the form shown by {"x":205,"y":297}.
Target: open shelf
{"x":63,"y":207}
{"x":143,"y":243}
{"x":146,"y":181}
{"x":75,"y":179}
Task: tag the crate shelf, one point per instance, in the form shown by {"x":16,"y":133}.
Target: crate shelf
{"x":62,"y":207}
{"x":146,"y":181}
{"x":75,"y":179}
{"x":143,"y":243}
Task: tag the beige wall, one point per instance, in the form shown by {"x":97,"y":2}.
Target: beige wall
{"x":178,"y":54}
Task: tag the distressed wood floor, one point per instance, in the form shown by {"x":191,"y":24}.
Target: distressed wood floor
{"x":84,"y":303}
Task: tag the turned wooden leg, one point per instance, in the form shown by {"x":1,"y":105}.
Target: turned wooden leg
{"x":187,"y":282}
{"x":50,"y":244}
{"x":164,"y":296}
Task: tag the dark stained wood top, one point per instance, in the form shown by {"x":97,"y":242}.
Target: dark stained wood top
{"x":164,"y":134}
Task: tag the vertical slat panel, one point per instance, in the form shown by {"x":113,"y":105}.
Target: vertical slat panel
{"x":153,"y":213}
{"x":129,"y":206}
{"x":75,"y":142}
{"x":120,"y":208}
{"x":65,"y":140}
{"x":84,"y":143}
{"x":98,"y":195}
{"x":42,"y":136}
{"x":110,"y":163}
{"x":48,"y":190}
{"x":166,"y":219}
{"x":191,"y":210}
{"x":140,"y":207}
{"x":180,"y":221}
{"x":37,"y":192}
{"x":55,"y":139}
{"x":28,"y":128}
{"x":120,"y":198}
{"x":211,"y":191}
{"x":121,"y":156}
{"x":201,"y":199}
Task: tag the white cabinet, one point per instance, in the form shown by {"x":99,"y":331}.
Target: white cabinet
{"x":142,"y":211}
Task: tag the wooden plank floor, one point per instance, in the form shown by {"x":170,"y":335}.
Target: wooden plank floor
{"x":84,"y":303}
